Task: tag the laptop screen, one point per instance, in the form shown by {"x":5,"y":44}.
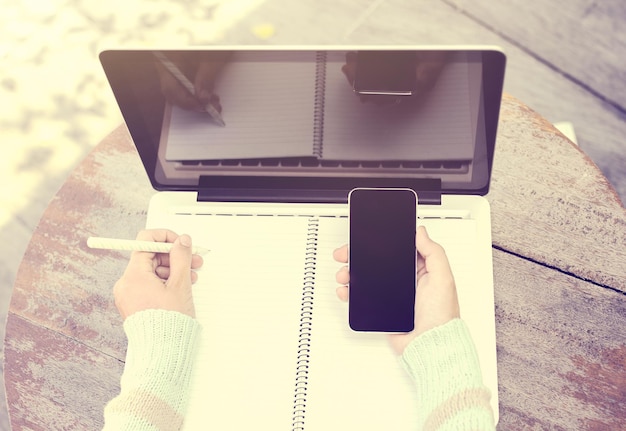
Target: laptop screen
{"x":224,"y":118}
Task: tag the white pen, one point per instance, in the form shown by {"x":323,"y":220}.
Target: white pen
{"x":184,"y":81}
{"x":135,"y":245}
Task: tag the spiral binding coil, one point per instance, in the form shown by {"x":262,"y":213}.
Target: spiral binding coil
{"x":318,"y":108}
{"x":306,"y":321}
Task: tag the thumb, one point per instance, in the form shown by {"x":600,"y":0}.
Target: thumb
{"x":180,"y":262}
{"x":434,"y":255}
{"x":423,"y":242}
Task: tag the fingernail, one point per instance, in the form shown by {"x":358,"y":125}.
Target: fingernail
{"x":185,"y":240}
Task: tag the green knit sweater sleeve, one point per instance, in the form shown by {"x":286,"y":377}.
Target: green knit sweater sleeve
{"x":155,"y":383}
{"x":444,"y":365}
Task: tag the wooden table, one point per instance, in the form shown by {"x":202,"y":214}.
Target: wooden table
{"x":559,"y":250}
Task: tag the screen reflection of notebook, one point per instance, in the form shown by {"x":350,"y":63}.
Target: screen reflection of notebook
{"x":267,"y":193}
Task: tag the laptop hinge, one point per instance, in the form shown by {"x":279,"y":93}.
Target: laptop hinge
{"x":306,"y":189}
{"x":429,"y":197}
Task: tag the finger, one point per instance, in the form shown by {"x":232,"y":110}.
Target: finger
{"x":180,"y":263}
{"x":164,"y":260}
{"x":165,"y":235}
{"x":163,"y":272}
{"x":341,"y":254}
{"x":196,"y":261}
{"x":144,"y":259}
{"x":421,"y":263}
{"x":343,"y":293}
{"x":434,"y":255}
{"x":343,"y":275}
{"x":157,"y":235}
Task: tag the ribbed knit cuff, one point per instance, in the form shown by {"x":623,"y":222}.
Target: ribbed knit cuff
{"x":160,"y":355}
{"x":443,"y":363}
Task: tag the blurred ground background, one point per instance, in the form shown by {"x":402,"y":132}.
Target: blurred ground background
{"x":565,"y":60}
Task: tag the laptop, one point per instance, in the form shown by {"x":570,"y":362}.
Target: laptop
{"x":253,"y":151}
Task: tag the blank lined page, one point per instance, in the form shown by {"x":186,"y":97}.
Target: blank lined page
{"x":267,"y":107}
{"x":247,"y":300}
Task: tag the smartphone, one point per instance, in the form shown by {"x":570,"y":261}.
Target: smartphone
{"x":388,"y":73}
{"x":382,"y":259}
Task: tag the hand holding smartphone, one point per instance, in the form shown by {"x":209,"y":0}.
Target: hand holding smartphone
{"x":382,"y":259}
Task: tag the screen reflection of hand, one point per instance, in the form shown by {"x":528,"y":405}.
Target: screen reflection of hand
{"x":202,"y":69}
{"x":428,"y":67}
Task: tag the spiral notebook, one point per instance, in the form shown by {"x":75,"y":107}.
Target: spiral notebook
{"x":276,"y":351}
{"x":305,"y":107}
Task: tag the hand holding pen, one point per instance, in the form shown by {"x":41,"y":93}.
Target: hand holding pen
{"x":154,"y":280}
{"x":174,"y":69}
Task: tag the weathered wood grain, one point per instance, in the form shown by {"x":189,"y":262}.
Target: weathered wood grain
{"x":62,"y":284}
{"x":54,"y":382}
{"x":551,"y":204}
{"x":561,"y":349}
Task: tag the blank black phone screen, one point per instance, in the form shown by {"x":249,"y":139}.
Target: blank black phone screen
{"x":382,"y":259}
